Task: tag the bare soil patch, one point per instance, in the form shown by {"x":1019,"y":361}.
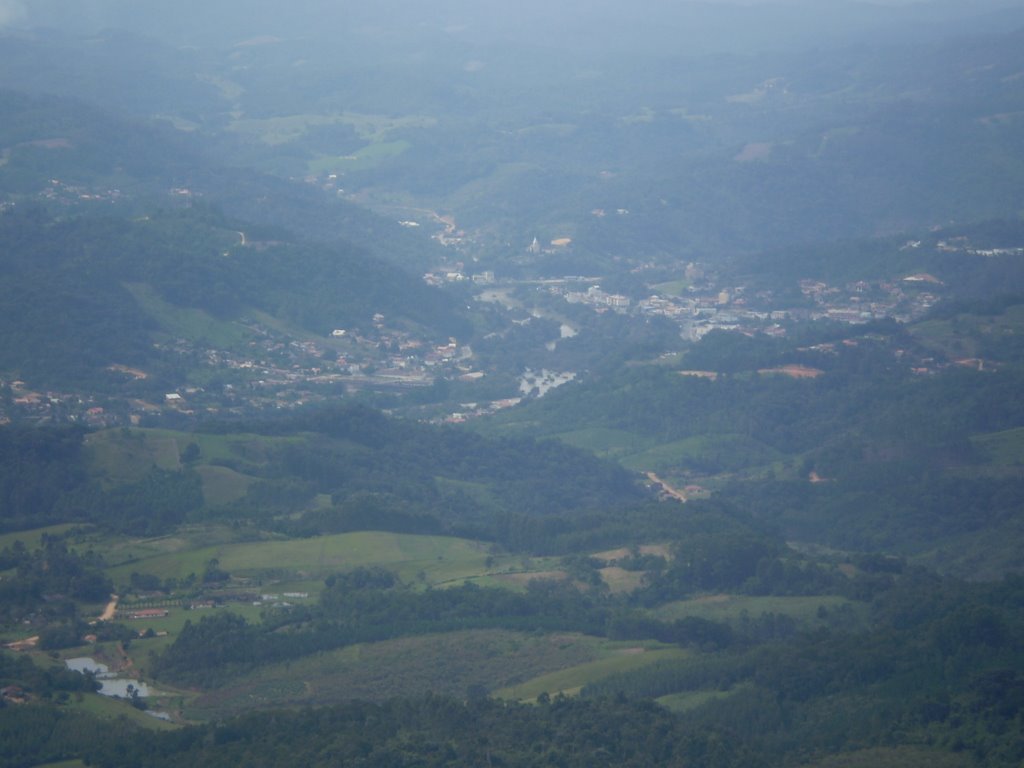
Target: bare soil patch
{"x":794,"y":371}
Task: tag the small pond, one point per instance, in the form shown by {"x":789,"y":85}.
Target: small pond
{"x":110,"y":683}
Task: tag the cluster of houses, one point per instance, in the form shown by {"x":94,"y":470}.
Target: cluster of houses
{"x":598,"y":299}
{"x":62,"y":193}
{"x":703,"y":308}
{"x":20,"y":402}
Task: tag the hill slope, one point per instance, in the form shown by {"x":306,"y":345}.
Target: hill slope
{"x":85,"y":294}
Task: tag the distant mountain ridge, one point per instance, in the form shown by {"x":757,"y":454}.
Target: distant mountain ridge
{"x":50,"y":143}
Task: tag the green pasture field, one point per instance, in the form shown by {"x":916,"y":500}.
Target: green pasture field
{"x":244,"y":448}
{"x":667,"y":455}
{"x":120,"y":456}
{"x":125,"y":455}
{"x":672,"y":288}
{"x":275,"y":131}
{"x":621,"y":581}
{"x":281,"y":130}
{"x":1005,"y":449}
{"x":732,"y":608}
{"x":687,"y":700}
{"x":124,"y":554}
{"x":440,"y":559}
{"x":248,"y":448}
{"x":33,"y":538}
{"x":614,"y":658}
{"x":742,"y":451}
{"x":364,"y":159}
{"x":450,"y":663}
{"x":284,"y":130}
{"x":222,"y":485}
{"x":959,"y":337}
{"x":377,"y":127}
{"x":940,"y":335}
{"x":982,"y":555}
{"x":177,"y":617}
{"x":187,"y":322}
{"x":109,"y":708}
{"x":311,"y":586}
{"x":502,"y":178}
{"x":513,"y":574}
{"x":608,"y":443}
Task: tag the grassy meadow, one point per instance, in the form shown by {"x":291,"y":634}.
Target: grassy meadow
{"x":608,"y":443}
{"x":365,"y":159}
{"x":965,"y":336}
{"x":187,"y":322}
{"x":613,"y":658}
{"x":31,"y":539}
{"x":119,"y":456}
{"x":687,"y":700}
{"x":1004,"y":449}
{"x":427,"y":559}
{"x":109,"y":708}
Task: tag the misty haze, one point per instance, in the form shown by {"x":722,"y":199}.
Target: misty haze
{"x":488,"y":384}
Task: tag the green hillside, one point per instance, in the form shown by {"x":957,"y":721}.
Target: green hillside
{"x":317,"y":471}
{"x":869,"y":455}
{"x":89,"y":293}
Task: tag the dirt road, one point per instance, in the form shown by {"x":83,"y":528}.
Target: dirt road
{"x":110,"y":610}
{"x":667,"y":489}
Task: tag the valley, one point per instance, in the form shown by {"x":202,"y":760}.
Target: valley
{"x":534,"y":386}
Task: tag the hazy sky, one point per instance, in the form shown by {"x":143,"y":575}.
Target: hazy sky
{"x":163,"y":16}
{"x":11,"y":11}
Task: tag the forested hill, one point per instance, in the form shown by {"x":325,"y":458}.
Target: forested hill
{"x":977,"y":259}
{"x":742,"y":153}
{"x":869,"y":444}
{"x":66,"y":154}
{"x":318,"y":471}
{"x":83,"y":294}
